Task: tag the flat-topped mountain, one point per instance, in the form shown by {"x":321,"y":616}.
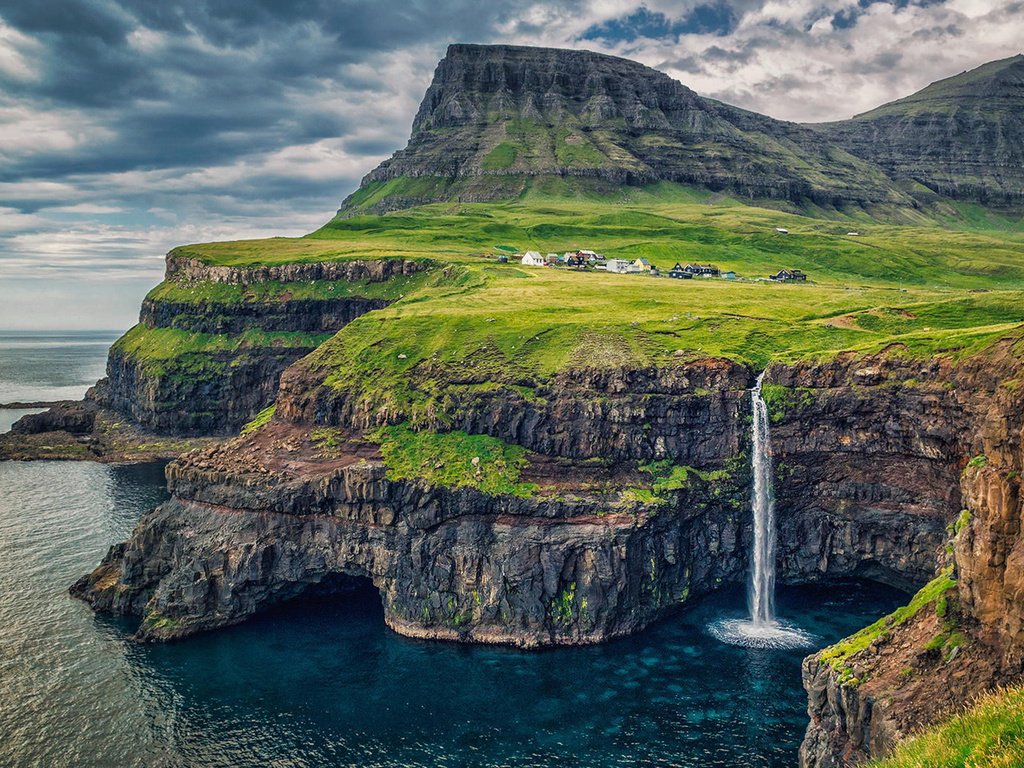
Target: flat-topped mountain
{"x":495,"y":118}
{"x":499,"y":121}
{"x":962,"y":137}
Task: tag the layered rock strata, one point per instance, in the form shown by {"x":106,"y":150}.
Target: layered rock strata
{"x":232,"y":373}
{"x":269,"y":515}
{"x":964,"y":637}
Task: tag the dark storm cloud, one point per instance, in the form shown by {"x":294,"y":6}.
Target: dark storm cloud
{"x":180,"y":83}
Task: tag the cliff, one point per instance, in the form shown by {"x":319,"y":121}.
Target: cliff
{"x":496,"y":118}
{"x":960,"y":137}
{"x":961,"y":635}
{"x":596,"y":530}
{"x":213,"y":340}
{"x":499,"y":122}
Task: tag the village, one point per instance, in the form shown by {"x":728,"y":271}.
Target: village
{"x":582,"y":260}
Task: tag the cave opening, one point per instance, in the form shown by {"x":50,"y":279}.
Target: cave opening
{"x":343,"y":591}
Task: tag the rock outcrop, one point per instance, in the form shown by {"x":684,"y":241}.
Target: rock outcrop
{"x":187,"y":270}
{"x":268,"y":517}
{"x":963,"y":635}
{"x":271,"y":514}
{"x":960,"y":137}
{"x":229,"y":353}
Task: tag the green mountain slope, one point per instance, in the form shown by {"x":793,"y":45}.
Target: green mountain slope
{"x":497,"y":121}
{"x":962,"y":137}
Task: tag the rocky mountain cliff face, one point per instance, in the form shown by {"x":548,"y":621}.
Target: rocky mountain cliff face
{"x":962,"y":137}
{"x":496,"y":119}
{"x":495,"y":116}
{"x":574,"y":562}
{"x":964,"y":633}
{"x":876,"y":458}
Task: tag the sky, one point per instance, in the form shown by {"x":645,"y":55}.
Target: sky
{"x":130,"y":126}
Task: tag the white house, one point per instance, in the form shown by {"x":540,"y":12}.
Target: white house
{"x":782,"y":231}
{"x":619,"y":266}
{"x":533,"y":259}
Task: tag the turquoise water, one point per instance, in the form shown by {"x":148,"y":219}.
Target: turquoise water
{"x":325,"y":683}
{"x":36,"y":365}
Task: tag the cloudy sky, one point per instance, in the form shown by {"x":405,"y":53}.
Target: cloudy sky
{"x":131,"y":126}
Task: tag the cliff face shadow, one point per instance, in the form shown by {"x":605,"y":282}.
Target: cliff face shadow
{"x":342,"y":591}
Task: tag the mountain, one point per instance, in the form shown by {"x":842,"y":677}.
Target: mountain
{"x":498,"y":120}
{"x":962,"y":137}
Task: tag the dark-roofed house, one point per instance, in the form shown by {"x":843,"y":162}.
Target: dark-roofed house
{"x":789,"y":275}
{"x":679,"y":273}
{"x":709,"y":270}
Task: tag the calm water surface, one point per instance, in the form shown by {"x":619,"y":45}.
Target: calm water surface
{"x":37,"y":365}
{"x":327,"y":684}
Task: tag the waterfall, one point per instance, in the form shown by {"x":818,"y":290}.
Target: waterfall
{"x":762,"y":629}
{"x":761,"y":595}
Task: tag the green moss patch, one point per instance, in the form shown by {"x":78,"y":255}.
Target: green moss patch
{"x":168,"y":351}
{"x":454,"y":459}
{"x":261,"y":418}
{"x":781,"y":400}
{"x":501,"y":157}
{"x":838,"y":656}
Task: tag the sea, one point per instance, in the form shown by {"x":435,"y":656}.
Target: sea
{"x":44,"y":366}
{"x":325,"y":683}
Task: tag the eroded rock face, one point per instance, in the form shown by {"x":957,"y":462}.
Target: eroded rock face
{"x":175,"y":403}
{"x":969,"y":640}
{"x":868,"y":454}
{"x":217,"y":392}
{"x":573,"y":113}
{"x":860,"y":457}
{"x":186,"y":270}
{"x":449,"y":564}
{"x":692,"y":413}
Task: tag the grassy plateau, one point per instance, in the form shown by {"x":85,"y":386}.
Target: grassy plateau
{"x":940,"y":288}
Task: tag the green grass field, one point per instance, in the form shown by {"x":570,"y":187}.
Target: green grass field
{"x":930,"y":289}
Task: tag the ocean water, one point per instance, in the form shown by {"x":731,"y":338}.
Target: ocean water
{"x":325,"y":683}
{"x":36,"y":365}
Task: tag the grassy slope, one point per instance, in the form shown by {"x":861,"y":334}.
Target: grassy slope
{"x":990,"y":733}
{"x":933,"y":289}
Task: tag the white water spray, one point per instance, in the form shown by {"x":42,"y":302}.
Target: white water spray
{"x":762,"y":629}
{"x":762,"y":576}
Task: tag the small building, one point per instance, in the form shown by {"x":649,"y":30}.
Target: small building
{"x":502,"y":258}
{"x":588,"y":255}
{"x":552,"y":259}
{"x":853,"y":234}
{"x":702,"y":270}
{"x":575,"y":261}
{"x":619,"y":266}
{"x":533,"y":259}
{"x":782,"y":231}
{"x":643,"y":265}
{"x":728,"y":275}
{"x":789,"y":275}
{"x":679,"y":273}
